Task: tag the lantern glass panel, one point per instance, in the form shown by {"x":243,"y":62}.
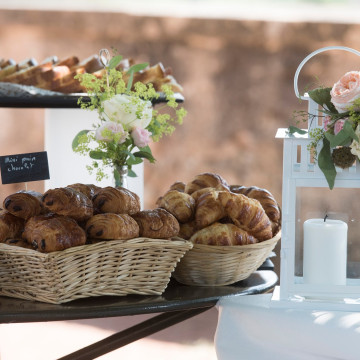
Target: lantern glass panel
{"x":339,"y":203}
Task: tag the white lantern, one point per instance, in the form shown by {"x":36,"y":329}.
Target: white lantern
{"x":320,"y":242}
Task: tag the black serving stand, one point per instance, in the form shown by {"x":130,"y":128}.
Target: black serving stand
{"x":178,"y":303}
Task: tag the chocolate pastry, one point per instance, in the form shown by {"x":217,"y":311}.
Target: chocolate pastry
{"x":157,"y":224}
{"x":112,"y":226}
{"x":24,"y":204}
{"x":116,"y":200}
{"x":48,"y":233}
{"x":68,"y":202}
{"x":11,"y":226}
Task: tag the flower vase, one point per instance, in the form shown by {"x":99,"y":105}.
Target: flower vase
{"x":120,"y":176}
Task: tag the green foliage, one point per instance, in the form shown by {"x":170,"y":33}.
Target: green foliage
{"x":111,"y":153}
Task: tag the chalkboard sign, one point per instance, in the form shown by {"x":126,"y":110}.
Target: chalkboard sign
{"x":24,"y":167}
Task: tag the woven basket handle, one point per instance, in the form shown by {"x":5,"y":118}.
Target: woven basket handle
{"x":313,"y":54}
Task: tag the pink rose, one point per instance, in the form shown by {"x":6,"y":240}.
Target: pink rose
{"x":338,"y":126}
{"x":346,"y":91}
{"x":140,"y":136}
{"x":326,"y":121}
{"x":111,"y":131}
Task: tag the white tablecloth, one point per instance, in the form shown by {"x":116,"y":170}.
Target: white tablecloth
{"x":250,"y":328}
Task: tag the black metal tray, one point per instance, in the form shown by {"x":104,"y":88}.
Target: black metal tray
{"x":22,"y":96}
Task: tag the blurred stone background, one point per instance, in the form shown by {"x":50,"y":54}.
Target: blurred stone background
{"x":237,"y":77}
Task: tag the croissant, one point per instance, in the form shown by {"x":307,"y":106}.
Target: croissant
{"x":24,"y":204}
{"x":222,"y":234}
{"x":157,"y":224}
{"x":196,"y":194}
{"x":178,"y":185}
{"x":206,"y":180}
{"x":11,"y":226}
{"x":112,"y":226}
{"x":180,"y":204}
{"x":47,"y":233}
{"x":208,"y":209}
{"x":187,"y":230}
{"x":247,"y":213}
{"x":68,"y":202}
{"x":87,"y":189}
{"x":267,"y":201}
{"x":116,"y":200}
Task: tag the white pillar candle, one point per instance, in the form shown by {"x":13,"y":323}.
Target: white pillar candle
{"x":325,"y":252}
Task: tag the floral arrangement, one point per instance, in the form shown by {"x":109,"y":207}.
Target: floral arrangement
{"x":338,"y":139}
{"x":128,"y":122}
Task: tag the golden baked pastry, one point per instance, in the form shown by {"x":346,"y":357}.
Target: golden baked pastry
{"x":180,"y":204}
{"x":68,"y":202}
{"x":48,"y":233}
{"x":178,"y":185}
{"x":267,"y":201}
{"x":24,"y":204}
{"x":116,"y":200}
{"x":11,"y":226}
{"x":247,"y":213}
{"x":206,"y":180}
{"x":187,"y":230}
{"x":157,"y":224}
{"x":209,"y":209}
{"x":87,"y":189}
{"x":18,"y":242}
{"x":222,"y":234}
{"x":112,"y":226}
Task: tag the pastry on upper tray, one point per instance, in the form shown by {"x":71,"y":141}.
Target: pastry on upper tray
{"x":58,"y":75}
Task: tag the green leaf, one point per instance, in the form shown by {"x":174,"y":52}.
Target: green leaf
{"x":137,"y":67}
{"x":134,"y":160}
{"x":322,"y":97}
{"x":293,"y":129}
{"x":326,"y":164}
{"x":114,"y":62}
{"x":131,"y":173}
{"x":130,"y":81}
{"x":75,"y":142}
{"x":98,"y":155}
{"x":343,"y":137}
{"x":145,"y":155}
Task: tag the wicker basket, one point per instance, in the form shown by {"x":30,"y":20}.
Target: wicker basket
{"x":117,"y":267}
{"x":208,"y":265}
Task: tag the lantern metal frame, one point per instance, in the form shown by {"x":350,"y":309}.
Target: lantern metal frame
{"x":299,"y":170}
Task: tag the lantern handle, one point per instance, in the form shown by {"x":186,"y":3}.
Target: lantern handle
{"x":356,"y":52}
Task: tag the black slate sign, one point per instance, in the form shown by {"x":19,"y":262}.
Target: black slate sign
{"x":24,"y":167}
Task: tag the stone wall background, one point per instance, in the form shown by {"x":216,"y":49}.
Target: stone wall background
{"x":237,"y":78}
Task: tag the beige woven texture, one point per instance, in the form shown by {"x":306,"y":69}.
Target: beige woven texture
{"x":209,"y":265}
{"x":117,"y":267}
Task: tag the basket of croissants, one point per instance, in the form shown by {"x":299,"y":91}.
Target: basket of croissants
{"x":233,"y":228}
{"x":82,"y":241}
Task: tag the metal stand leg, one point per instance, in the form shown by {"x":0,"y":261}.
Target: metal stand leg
{"x":136,"y":332}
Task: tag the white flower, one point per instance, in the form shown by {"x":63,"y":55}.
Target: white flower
{"x":355,"y":145}
{"x":121,"y":109}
